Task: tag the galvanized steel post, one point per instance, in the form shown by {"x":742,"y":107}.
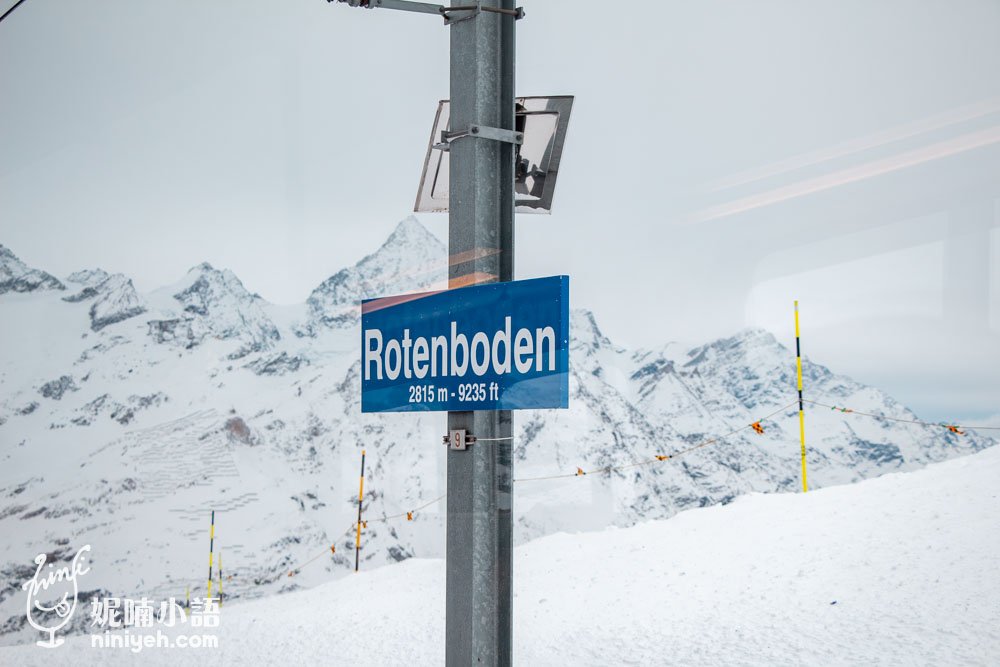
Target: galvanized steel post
{"x":481,"y":217}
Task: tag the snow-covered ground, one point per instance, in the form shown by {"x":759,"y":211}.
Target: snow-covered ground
{"x":902,"y":569}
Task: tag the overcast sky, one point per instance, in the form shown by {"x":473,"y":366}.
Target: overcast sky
{"x":723,"y":160}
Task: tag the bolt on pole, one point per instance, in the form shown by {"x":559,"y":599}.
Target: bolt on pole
{"x":481,"y":216}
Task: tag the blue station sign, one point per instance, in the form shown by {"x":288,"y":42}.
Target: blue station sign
{"x":502,"y":346}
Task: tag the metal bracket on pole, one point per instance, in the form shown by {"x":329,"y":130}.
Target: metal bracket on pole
{"x":403,"y":5}
{"x":468,"y":11}
{"x":458,"y":440}
{"x":517,"y":13}
{"x":482,"y":132}
{"x":474,"y":11}
{"x":408,"y":6}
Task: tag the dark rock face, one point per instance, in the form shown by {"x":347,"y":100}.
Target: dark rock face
{"x":279,"y":365}
{"x":143,"y":402}
{"x":56,"y":388}
{"x":176,"y":330}
{"x":215,"y":303}
{"x":88,"y":277}
{"x":399,"y":554}
{"x":98,"y":323}
{"x":35,"y":282}
{"x":11,"y":577}
{"x":197,"y":297}
{"x":883,"y":454}
{"x":123,"y":413}
{"x":83,"y":295}
{"x":16,"y":276}
{"x":116,"y":301}
{"x":29,"y":408}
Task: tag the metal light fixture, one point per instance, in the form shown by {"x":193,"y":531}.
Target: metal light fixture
{"x":540,"y":126}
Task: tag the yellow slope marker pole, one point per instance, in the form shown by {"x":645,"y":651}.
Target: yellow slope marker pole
{"x":361,"y":494}
{"x":187,"y":602}
{"x":802,"y":419}
{"x":211,"y":547}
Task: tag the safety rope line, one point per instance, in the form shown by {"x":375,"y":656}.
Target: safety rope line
{"x":579,"y":472}
{"x":409,"y":517}
{"x":409,"y":514}
{"x":756,"y":426}
{"x":951,"y":427}
{"x":298,"y":568}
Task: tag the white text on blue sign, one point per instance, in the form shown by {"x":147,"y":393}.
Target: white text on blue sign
{"x":501,"y":346}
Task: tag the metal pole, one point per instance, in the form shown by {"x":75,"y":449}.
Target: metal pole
{"x":220,"y":580}
{"x":6,"y":13}
{"x":481,"y":215}
{"x":361,"y":497}
{"x":211,"y":548}
{"x":802,"y":423}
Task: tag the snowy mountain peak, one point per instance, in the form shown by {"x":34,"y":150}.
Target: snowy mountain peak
{"x":16,"y":276}
{"x":744,"y":338}
{"x":412,"y":259}
{"x":215,"y":303}
{"x":204,"y":286}
{"x":584,"y":331}
{"x":409,"y":233}
{"x":88,"y":277}
{"x":746,"y":345}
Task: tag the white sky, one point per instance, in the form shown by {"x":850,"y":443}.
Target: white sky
{"x":284,"y":138}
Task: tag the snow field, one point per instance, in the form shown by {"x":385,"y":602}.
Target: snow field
{"x":910,"y":559}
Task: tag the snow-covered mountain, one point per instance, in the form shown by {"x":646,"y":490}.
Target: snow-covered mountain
{"x":16,"y":276}
{"x":411,"y":260}
{"x":209,"y":303}
{"x":126,"y":418}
